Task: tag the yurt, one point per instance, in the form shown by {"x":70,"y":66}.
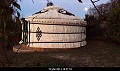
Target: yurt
{"x":52,"y":28}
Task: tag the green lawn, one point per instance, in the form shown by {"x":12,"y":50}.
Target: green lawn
{"x":94,"y":54}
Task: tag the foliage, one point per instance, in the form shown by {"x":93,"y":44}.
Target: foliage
{"x":93,"y":28}
{"x":9,"y":25}
{"x":114,"y":22}
{"x":106,"y":21}
{"x":8,"y":15}
{"x":96,"y":20}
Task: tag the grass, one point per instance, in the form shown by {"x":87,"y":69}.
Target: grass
{"x":94,"y":54}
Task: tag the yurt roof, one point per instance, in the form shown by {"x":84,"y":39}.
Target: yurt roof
{"x":55,"y":15}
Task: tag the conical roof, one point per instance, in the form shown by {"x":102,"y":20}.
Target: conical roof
{"x":55,"y":15}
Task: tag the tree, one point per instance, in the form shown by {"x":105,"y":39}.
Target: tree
{"x":8,"y":14}
{"x":100,"y":12}
{"x":108,"y":18}
{"x":8,"y":11}
{"x":113,"y":20}
{"x":93,"y":27}
{"x":93,"y":19}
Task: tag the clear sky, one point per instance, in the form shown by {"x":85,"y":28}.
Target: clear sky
{"x":28,"y":7}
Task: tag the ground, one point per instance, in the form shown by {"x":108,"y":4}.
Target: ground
{"x":94,"y":54}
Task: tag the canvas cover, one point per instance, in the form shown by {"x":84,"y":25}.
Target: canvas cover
{"x":54,"y":27}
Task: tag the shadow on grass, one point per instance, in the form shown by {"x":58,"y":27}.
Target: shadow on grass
{"x":37,"y":60}
{"x":94,"y":54}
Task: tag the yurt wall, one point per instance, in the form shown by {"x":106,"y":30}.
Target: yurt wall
{"x":56,"y":36}
{"x":54,"y":27}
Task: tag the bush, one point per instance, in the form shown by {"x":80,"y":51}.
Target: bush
{"x":94,"y":30}
{"x":114,"y":23}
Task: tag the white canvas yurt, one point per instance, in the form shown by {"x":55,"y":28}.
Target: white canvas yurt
{"x":53,"y":27}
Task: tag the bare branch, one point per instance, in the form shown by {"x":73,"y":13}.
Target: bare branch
{"x":95,"y":6}
{"x":80,"y":1}
{"x":96,"y":1}
{"x":32,"y":1}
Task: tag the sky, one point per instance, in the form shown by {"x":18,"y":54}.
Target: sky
{"x":78,"y":9}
